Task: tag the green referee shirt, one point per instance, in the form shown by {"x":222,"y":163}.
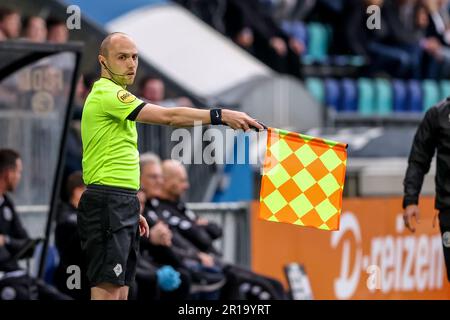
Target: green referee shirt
{"x":110,"y":154}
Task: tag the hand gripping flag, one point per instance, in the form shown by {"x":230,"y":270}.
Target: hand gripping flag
{"x":303,"y":179}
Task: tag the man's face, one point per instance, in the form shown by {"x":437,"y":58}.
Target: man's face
{"x":154,"y":90}
{"x":58,"y":34}
{"x":122,"y":60}
{"x":13,"y":176}
{"x":152,"y":180}
{"x":11,"y":25}
{"x":178,"y":183}
{"x":36,"y":30}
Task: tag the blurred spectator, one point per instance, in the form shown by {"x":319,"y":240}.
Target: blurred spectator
{"x":356,"y":35}
{"x":88,"y":82}
{"x":432,"y":67}
{"x":15,"y":244}
{"x":201,"y":234}
{"x":175,"y":185}
{"x":158,"y":249}
{"x":440,"y":69}
{"x":67,"y":240}
{"x":289,"y":15}
{"x":35,"y":29}
{"x":252,"y":29}
{"x":153,"y":90}
{"x":421,"y":20}
{"x":10,"y":24}
{"x":289,"y":10}
{"x":57,"y":31}
{"x":210,"y":11}
{"x":394,"y":47}
{"x":439,"y":19}
{"x":181,"y":254}
{"x":74,"y":148}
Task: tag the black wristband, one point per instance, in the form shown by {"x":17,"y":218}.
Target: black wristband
{"x":216,"y":116}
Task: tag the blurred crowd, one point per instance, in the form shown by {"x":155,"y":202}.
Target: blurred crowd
{"x":408,"y":39}
{"x":33,"y":28}
{"x":412,"y":40}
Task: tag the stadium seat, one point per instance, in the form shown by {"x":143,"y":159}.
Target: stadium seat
{"x":430,"y":91}
{"x":317,"y":41}
{"x":444,"y":87}
{"x":341,"y":60}
{"x":399,"y":95}
{"x":332,"y":93}
{"x":366,"y":96}
{"x":357,"y":61}
{"x":349,"y":102}
{"x":316,"y":88}
{"x":383,"y":96}
{"x":51,"y":262}
{"x":414,"y":96}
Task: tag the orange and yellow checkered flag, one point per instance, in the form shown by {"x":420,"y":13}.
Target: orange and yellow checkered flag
{"x":303,"y":179}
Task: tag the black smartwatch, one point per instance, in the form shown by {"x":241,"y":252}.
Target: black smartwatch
{"x":216,"y":116}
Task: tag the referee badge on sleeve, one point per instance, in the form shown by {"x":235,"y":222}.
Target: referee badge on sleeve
{"x":125,"y":96}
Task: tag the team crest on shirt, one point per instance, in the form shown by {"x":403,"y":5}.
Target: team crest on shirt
{"x":125,"y":96}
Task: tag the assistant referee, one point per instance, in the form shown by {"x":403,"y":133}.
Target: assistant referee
{"x":109,"y":222}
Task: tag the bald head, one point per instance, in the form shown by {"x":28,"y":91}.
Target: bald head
{"x":172,"y":168}
{"x":110,"y":40}
{"x":176,"y":181}
{"x":118,"y":57}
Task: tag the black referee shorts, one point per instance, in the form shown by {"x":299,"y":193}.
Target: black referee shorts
{"x":444,"y":226}
{"x":108,"y":224}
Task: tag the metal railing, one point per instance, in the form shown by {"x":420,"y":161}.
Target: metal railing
{"x":156,"y":138}
{"x":234,"y":218}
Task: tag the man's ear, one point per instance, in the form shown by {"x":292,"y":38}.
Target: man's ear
{"x":101,"y":60}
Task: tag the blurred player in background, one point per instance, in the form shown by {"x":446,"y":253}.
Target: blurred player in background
{"x":433,"y":134}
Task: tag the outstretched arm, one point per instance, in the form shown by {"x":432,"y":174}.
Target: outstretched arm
{"x":186,"y":117}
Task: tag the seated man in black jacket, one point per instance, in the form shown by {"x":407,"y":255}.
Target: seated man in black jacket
{"x":255,"y":31}
{"x":241,"y":283}
{"x":15,"y":284}
{"x":173,"y":249}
